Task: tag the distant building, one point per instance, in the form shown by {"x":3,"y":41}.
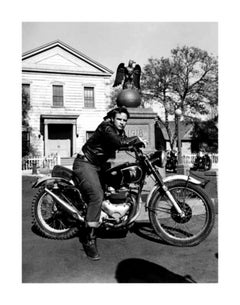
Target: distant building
{"x":69,"y":95}
{"x":185,"y":135}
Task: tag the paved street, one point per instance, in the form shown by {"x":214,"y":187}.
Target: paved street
{"x":140,"y":257}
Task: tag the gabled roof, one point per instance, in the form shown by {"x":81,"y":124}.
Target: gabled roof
{"x":185,"y":130}
{"x":69,"y":49}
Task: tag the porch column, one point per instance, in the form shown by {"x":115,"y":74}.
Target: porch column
{"x":74,"y":134}
{"x":60,"y":119}
{"x":45,"y":138}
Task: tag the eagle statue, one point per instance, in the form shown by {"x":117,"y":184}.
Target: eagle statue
{"x":128,"y":77}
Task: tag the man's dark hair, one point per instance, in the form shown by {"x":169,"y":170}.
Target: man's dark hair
{"x":112,"y":113}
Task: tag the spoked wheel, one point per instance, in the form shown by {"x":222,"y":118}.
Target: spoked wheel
{"x":49,"y":219}
{"x":191,"y":228}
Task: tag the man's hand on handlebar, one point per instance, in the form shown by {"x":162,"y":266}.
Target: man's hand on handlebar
{"x":140,"y":143}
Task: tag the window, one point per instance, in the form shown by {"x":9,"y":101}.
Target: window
{"x":26,"y":92}
{"x":88,"y":97}
{"x":57,"y":96}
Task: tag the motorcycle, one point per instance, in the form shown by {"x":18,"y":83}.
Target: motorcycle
{"x":202,"y":162}
{"x":179,"y":210}
{"x":171,"y":165}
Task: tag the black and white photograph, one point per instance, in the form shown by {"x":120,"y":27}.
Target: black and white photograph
{"x":119,"y":167}
{"x":120,"y":152}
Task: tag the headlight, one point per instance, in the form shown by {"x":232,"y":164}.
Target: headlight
{"x":159,"y":158}
{"x":163,"y":158}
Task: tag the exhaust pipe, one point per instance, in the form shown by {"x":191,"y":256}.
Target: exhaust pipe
{"x":66,"y":206}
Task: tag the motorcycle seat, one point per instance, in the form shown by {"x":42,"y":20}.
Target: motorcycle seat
{"x":64,"y":172}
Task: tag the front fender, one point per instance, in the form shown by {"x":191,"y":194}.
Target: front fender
{"x":169,"y":179}
{"x":50,"y":180}
{"x":181,"y":177}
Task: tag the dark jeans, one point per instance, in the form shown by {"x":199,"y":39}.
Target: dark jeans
{"x":91,"y":189}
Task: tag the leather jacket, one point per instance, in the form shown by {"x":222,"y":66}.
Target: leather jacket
{"x":105,"y":141}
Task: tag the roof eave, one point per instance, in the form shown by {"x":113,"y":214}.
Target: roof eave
{"x":68,"y":48}
{"x":39,"y":70}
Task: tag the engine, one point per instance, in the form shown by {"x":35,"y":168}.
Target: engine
{"x":115,"y":211}
{"x":117,"y":205}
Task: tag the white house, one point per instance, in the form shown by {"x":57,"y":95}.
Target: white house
{"x":69,"y":95}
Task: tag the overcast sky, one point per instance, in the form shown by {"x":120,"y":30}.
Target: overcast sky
{"x":110,"y":43}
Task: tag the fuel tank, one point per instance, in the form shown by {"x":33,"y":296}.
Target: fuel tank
{"x":123,"y":174}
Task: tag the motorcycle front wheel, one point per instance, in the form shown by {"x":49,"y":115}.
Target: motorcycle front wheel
{"x":48,"y":218}
{"x":187,"y":230}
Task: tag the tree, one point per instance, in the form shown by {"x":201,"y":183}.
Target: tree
{"x":25,"y":106}
{"x":26,"y":148}
{"x":205,"y":133}
{"x":195,"y":80}
{"x":188,"y":80}
{"x":156,"y":85}
{"x":113,"y":96}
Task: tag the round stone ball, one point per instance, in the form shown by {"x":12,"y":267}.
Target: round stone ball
{"x":129,"y":98}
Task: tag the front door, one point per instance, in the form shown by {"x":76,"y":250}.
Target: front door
{"x":60,"y":139}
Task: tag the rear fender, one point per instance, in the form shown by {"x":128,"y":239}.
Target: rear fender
{"x":44,"y":181}
{"x":170,"y":179}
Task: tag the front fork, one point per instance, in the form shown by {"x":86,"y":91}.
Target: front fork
{"x":173,"y":201}
{"x":158,"y":178}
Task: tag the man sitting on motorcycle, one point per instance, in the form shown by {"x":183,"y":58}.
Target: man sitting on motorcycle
{"x":101,"y":146}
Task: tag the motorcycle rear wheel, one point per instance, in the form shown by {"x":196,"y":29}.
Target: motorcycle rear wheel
{"x":49,"y":220}
{"x":185,"y":231}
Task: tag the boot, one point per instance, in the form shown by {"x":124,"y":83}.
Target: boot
{"x":89,"y":244}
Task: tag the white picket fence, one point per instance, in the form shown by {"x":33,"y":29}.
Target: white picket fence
{"x":50,"y":161}
{"x":188,"y":160}
{"x":41,"y":162}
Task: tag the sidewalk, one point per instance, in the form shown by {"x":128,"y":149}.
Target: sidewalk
{"x":40,"y":173}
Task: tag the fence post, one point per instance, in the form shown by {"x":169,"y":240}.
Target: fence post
{"x":58,"y":159}
{"x":34,"y":167}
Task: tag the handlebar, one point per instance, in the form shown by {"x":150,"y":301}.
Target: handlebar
{"x":132,"y":147}
{"x":136,"y":149}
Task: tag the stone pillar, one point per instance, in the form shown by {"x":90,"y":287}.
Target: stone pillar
{"x":142,"y":124}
